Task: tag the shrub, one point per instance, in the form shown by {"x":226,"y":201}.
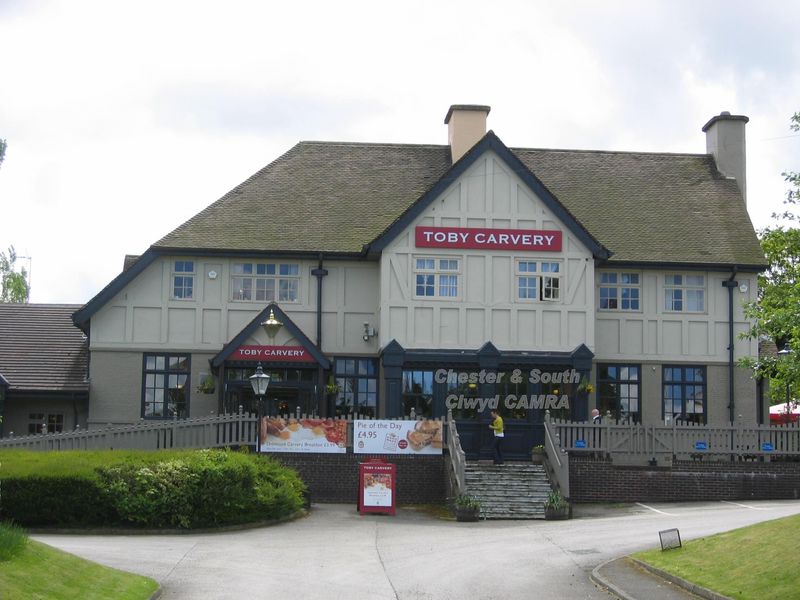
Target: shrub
{"x":205,"y":489}
{"x":153,"y":489}
{"x":12,"y":541}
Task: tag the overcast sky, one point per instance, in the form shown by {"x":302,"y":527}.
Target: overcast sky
{"x":124,"y":119}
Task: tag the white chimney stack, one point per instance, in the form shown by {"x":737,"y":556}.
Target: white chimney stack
{"x":466,"y":125}
{"x":725,"y":141}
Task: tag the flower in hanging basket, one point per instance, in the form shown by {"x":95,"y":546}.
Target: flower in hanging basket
{"x":207,"y":386}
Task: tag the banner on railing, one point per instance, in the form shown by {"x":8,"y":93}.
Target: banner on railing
{"x":327,"y":436}
{"x":397,"y":437}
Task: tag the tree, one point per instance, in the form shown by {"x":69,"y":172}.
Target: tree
{"x":3,"y":146}
{"x":776,"y":313}
{"x":14,"y":284}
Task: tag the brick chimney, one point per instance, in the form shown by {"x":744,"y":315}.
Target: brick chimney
{"x":466,"y":124}
{"x":725,"y":141}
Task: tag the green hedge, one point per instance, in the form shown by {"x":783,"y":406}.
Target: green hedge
{"x":204,"y":488}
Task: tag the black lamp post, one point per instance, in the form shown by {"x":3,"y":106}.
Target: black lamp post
{"x":783,"y":354}
{"x":260,"y":383}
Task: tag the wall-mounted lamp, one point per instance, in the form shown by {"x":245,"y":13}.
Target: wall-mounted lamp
{"x":369,"y":332}
{"x":271,"y":325}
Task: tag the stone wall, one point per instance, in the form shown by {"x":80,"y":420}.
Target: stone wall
{"x":334,"y":477}
{"x":597,"y":480}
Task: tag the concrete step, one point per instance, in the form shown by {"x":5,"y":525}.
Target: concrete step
{"x":509,"y":491}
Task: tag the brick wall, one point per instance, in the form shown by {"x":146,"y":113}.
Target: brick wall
{"x":334,"y":477}
{"x":597,"y":480}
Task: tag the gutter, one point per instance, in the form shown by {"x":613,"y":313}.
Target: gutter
{"x":731,"y":284}
{"x":319,"y":273}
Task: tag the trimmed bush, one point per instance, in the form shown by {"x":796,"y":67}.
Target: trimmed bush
{"x":48,"y":501}
{"x":204,"y":488}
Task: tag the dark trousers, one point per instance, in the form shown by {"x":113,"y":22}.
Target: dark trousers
{"x":498,"y":450}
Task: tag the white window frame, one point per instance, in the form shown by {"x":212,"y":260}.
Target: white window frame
{"x":685,"y":290}
{"x":545,"y":281}
{"x":255,"y":278}
{"x":618,"y":286}
{"x":437,"y":272}
{"x":184,"y":275}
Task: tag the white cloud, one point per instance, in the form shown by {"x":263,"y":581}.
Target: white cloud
{"x":124,"y":119}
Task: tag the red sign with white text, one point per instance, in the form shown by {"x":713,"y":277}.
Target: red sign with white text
{"x":272,"y":353}
{"x":475,"y":238}
{"x":377,"y":487}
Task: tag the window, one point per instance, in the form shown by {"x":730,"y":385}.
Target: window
{"x":619,"y":291}
{"x":265,"y":282}
{"x":54,"y":423}
{"x":619,"y":390}
{"x":538,"y":280}
{"x":183,"y":280}
{"x":165,"y":393}
{"x":358,"y":386}
{"x":418,"y":393}
{"x":684,"y":293}
{"x":684,"y":395}
{"x":436,"y":277}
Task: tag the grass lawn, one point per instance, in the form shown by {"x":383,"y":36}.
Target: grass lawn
{"x":758,"y":562}
{"x":42,"y":572}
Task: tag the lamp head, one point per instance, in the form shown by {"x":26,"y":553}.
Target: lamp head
{"x":271,"y":325}
{"x":259,"y":381}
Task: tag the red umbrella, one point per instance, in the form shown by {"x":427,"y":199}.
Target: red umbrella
{"x":784,"y":413}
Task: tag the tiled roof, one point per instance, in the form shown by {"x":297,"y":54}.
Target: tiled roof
{"x":40,"y":348}
{"x":318,"y":197}
{"x":337,"y":197}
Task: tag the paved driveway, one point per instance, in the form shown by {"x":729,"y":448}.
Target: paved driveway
{"x":334,"y":553}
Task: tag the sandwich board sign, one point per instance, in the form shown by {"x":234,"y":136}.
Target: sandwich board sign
{"x":397,"y":437}
{"x":377,"y":491}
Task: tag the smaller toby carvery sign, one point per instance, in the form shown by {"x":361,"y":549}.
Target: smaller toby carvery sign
{"x":474,"y":238}
{"x":272,"y":353}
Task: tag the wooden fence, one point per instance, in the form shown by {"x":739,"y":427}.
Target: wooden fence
{"x":640,"y":444}
{"x":234,"y":429}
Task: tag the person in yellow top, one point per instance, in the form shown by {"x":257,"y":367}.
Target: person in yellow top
{"x":499,"y":433}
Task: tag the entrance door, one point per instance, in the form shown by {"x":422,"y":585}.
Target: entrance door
{"x":290,"y":391}
{"x":524,"y":423}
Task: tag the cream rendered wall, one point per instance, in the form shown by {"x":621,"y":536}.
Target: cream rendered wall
{"x":675,"y":336}
{"x":487,"y":195}
{"x":115,"y":388}
{"x":653,"y":337}
{"x":143,"y":317}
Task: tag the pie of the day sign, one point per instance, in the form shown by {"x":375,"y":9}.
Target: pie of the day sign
{"x":397,"y":437}
{"x":478,"y":238}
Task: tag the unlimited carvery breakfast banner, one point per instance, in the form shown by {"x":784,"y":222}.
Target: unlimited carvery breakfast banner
{"x":327,"y":436}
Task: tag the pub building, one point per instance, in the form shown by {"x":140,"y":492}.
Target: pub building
{"x":375,"y":278}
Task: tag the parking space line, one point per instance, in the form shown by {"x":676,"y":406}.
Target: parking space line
{"x":744,"y":505}
{"x":661,"y":512}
